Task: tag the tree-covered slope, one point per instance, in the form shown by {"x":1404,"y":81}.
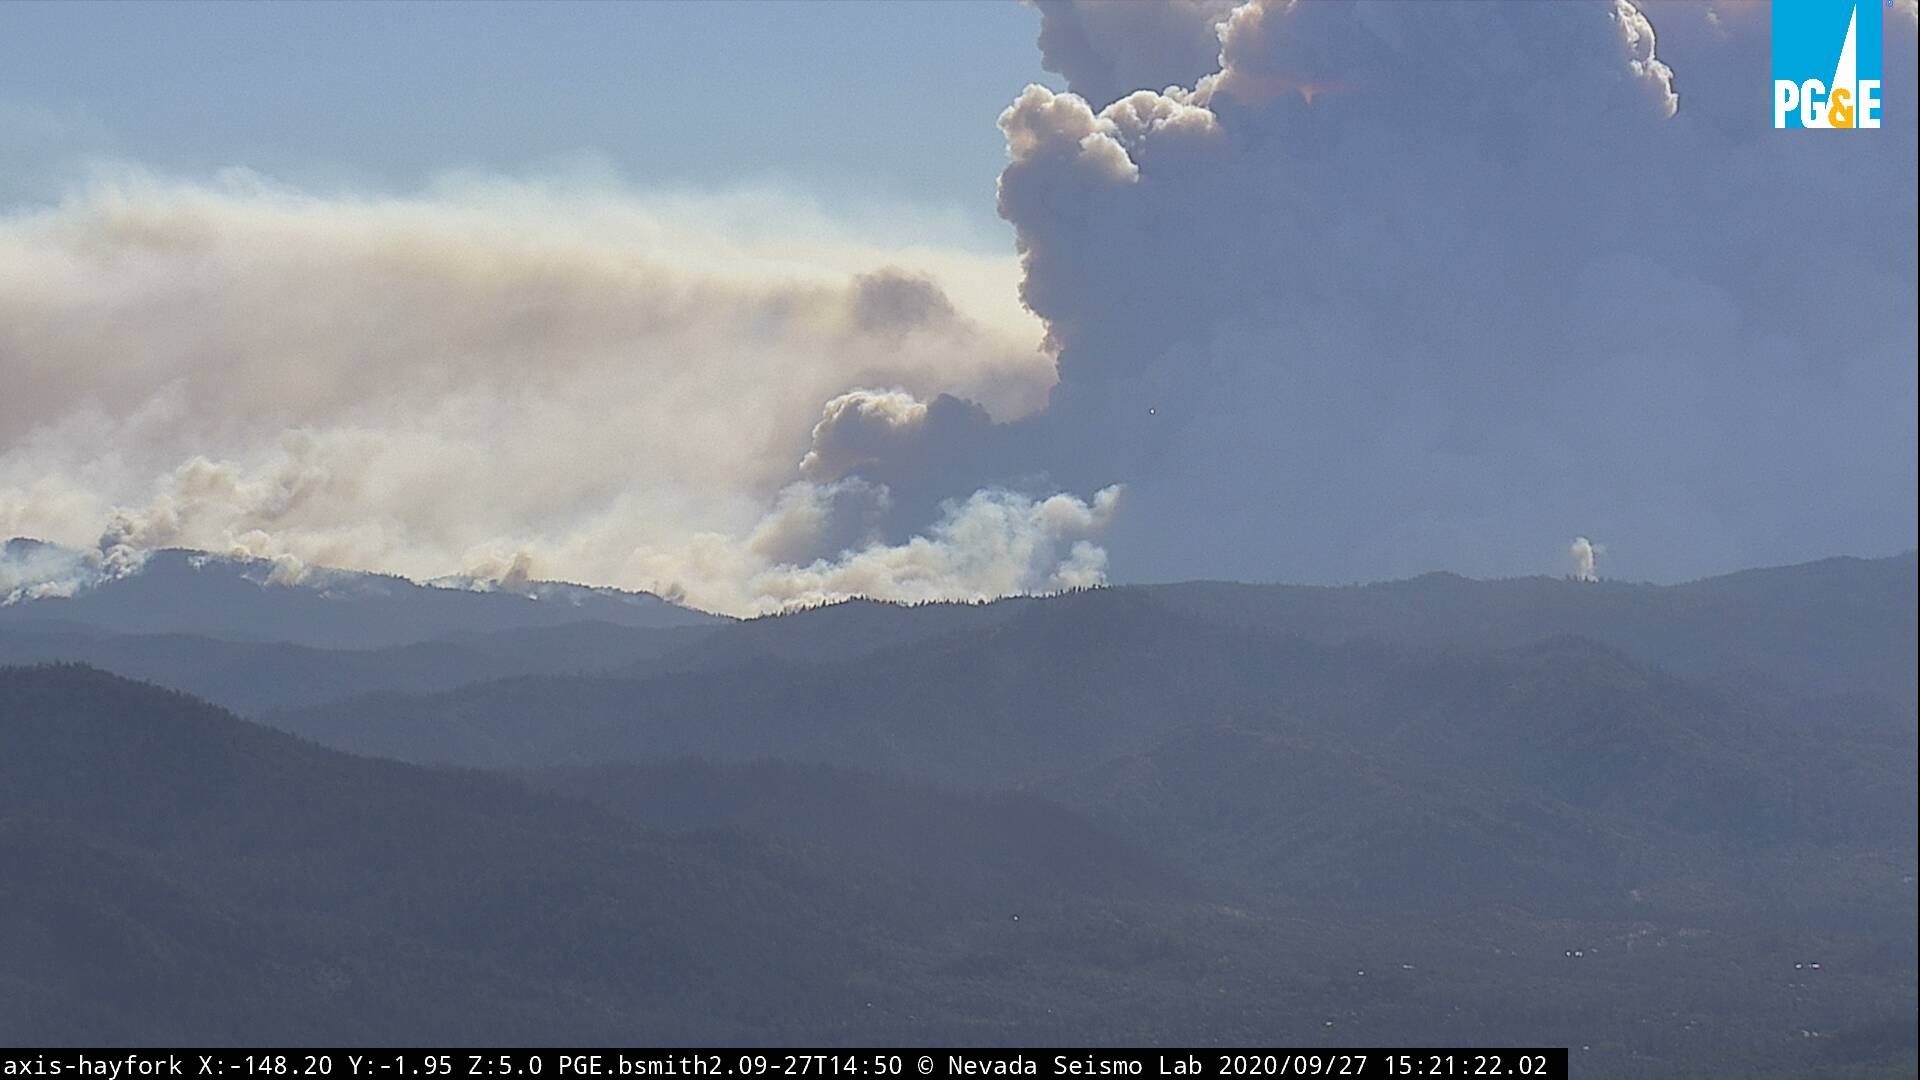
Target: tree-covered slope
{"x":175,"y":875}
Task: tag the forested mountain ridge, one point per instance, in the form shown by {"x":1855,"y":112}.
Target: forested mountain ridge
{"x":244,"y":599}
{"x":264,"y":676}
{"x":178,"y":876}
{"x":198,"y":877}
{"x":1836,"y":628}
{"x":1560,"y":769}
{"x":1210,"y":807}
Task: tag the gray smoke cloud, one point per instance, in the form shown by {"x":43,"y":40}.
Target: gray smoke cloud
{"x":1110,"y":48}
{"x":1392,"y":287}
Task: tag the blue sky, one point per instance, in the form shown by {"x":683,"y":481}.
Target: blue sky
{"x":382,"y":97}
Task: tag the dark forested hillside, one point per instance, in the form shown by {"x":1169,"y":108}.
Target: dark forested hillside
{"x":1561,"y":775}
{"x":1606,"y":816}
{"x":1009,"y":845}
{"x":1838,"y":626}
{"x":176,"y":875}
{"x":264,"y":676}
{"x":305,"y":894}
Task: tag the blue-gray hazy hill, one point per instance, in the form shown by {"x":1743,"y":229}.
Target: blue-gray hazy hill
{"x":1611,"y":816}
{"x":190,"y":592}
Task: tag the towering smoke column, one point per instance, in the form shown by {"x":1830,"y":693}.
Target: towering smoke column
{"x":1354,"y":300}
{"x":1584,"y":552}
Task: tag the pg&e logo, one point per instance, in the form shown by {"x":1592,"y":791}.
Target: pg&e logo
{"x":1826,"y":64}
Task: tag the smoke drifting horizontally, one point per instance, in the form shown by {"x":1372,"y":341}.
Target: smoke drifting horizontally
{"x":500,"y":380}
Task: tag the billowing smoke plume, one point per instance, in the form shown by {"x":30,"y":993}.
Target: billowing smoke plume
{"x":1395,"y":286}
{"x":33,"y":571}
{"x":497,"y":381}
{"x":1337,"y":290}
{"x":1584,"y":553}
{"x":1110,"y":48}
{"x":999,"y":542}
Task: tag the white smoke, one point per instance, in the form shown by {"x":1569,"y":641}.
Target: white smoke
{"x":861,"y":427}
{"x":493,"y":380}
{"x":1585,"y":553}
{"x":994,"y":543}
{"x":33,"y":572}
{"x":30,"y":570}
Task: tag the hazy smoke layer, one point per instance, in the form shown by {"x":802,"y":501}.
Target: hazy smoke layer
{"x":501,"y":379}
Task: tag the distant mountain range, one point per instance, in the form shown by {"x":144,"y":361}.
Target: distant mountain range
{"x":177,"y":591}
{"x":1614,"y":817}
{"x":1564,"y":764}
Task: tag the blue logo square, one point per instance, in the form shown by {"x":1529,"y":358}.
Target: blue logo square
{"x":1826,"y":64}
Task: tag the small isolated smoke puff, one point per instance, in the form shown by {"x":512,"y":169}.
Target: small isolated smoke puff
{"x":1584,"y":552}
